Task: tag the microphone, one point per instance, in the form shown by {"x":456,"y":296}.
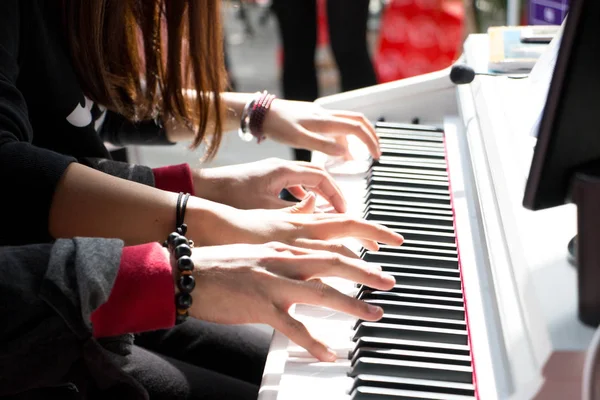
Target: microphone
{"x":461,"y":74}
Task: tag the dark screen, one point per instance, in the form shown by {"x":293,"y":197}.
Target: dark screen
{"x":569,"y":132}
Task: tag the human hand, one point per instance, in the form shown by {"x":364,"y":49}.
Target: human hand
{"x":243,"y":283}
{"x":307,"y":125}
{"x":258,"y":184}
{"x":296,"y":225}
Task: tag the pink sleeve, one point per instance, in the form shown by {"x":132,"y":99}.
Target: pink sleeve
{"x":143,"y":296}
{"x":174,"y":178}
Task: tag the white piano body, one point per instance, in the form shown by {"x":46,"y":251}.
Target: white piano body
{"x":520,"y":291}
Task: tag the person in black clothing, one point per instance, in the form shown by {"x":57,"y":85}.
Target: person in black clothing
{"x":74,"y":74}
{"x":347,"y":21}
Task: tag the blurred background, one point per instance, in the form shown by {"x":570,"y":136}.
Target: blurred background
{"x":403,"y":38}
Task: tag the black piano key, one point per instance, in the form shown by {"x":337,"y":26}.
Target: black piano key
{"x":429,"y":244}
{"x":416,"y":345}
{"x":377,"y":393}
{"x":412,"y":175}
{"x":373,"y":193}
{"x":425,"y":385}
{"x":403,"y":209}
{"x":443,"y":193}
{"x":416,"y":309}
{"x":414,"y":164}
{"x":374,"y":200}
{"x":423,"y":280}
{"x":416,"y":218}
{"x":412,"y":259}
{"x":412,"y":369}
{"x":411,"y":171}
{"x":407,"y":182}
{"x":418,"y":321}
{"x":409,"y":233}
{"x":409,"y":355}
{"x":408,"y":127}
{"x":408,"y":332}
{"x":422,"y":250}
{"x":411,"y":298}
{"x":420,"y":291}
{"x":420,"y":271}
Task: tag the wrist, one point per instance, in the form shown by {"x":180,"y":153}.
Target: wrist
{"x":204,"y":219}
{"x":207,"y":185}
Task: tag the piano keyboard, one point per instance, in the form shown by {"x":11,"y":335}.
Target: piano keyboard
{"x":420,"y":348}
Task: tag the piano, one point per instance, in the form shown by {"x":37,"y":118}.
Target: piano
{"x":485,"y":302}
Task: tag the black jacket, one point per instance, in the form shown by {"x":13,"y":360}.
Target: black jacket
{"x":46,"y":122}
{"x":47,"y":293}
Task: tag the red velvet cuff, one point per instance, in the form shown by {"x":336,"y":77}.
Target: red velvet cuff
{"x":174,"y":178}
{"x":143,"y":296}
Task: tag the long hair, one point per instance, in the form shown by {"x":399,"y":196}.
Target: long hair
{"x":139,"y":57}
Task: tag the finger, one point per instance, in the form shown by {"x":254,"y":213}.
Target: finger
{"x":369,"y":244}
{"x":322,"y":265}
{"x":332,"y":226}
{"x":319,"y":181}
{"x":317,"y":293}
{"x":297,"y":332}
{"x":359,"y":117}
{"x":326,"y":246}
{"x":342,"y":126}
{"x":297,"y":191}
{"x":306,"y":206}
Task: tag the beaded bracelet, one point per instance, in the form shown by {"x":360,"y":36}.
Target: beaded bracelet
{"x":180,"y":249}
{"x":253,"y":116}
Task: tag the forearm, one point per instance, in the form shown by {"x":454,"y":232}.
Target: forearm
{"x":233,"y":104}
{"x":93,"y":204}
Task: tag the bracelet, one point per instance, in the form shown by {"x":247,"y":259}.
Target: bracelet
{"x":180,"y":249}
{"x":253,"y":116}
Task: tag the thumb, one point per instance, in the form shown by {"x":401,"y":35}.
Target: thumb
{"x":306,"y":206}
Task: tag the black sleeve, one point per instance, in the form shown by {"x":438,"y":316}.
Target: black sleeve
{"x":131,"y":172}
{"x":27,"y":174}
{"x":119,"y":131}
{"x":47,"y":294}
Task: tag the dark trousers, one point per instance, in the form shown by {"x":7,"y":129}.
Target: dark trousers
{"x":200,"y":360}
{"x":347,"y":20}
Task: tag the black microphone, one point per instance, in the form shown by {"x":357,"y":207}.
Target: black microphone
{"x":461,"y":74}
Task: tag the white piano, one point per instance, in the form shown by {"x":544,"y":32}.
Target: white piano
{"x":494,"y":317}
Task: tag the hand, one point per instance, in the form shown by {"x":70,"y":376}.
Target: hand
{"x":239,"y":284}
{"x":309,"y":126}
{"x":258,"y":184}
{"x":296,"y":225}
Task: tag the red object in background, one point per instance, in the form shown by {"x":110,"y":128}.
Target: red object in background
{"x":418,"y":37}
{"x":322,"y":26}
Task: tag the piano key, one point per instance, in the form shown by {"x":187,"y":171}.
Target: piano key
{"x":409,"y":189}
{"x":409,"y":171}
{"x":426,"y":235}
{"x":412,"y":369}
{"x":407,"y":196}
{"x":426,"y":334}
{"x":416,"y":309}
{"x":409,"y":174}
{"x":409,"y":355}
{"x":417,"y":270}
{"x":412,"y":136}
{"x":423,"y":280}
{"x":403,"y":344}
{"x":414,"y":164}
{"x":407,"y":182}
{"x":404,"y":287}
{"x":413,"y":259}
{"x":375,"y":393}
{"x":408,"y":249}
{"x":391,"y":216}
{"x":389,"y":143}
{"x":429,"y":244}
{"x":370,"y":202}
{"x":419,"y":321}
{"x":426,"y":385}
{"x":404,"y":209}
{"x":411,"y":298}
{"x":393,"y":126}
{"x":435,"y":156}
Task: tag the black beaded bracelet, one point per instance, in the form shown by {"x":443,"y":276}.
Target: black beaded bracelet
{"x":180,"y":248}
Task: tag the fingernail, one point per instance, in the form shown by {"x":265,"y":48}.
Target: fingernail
{"x":330,"y":356}
{"x":374,"y":309}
